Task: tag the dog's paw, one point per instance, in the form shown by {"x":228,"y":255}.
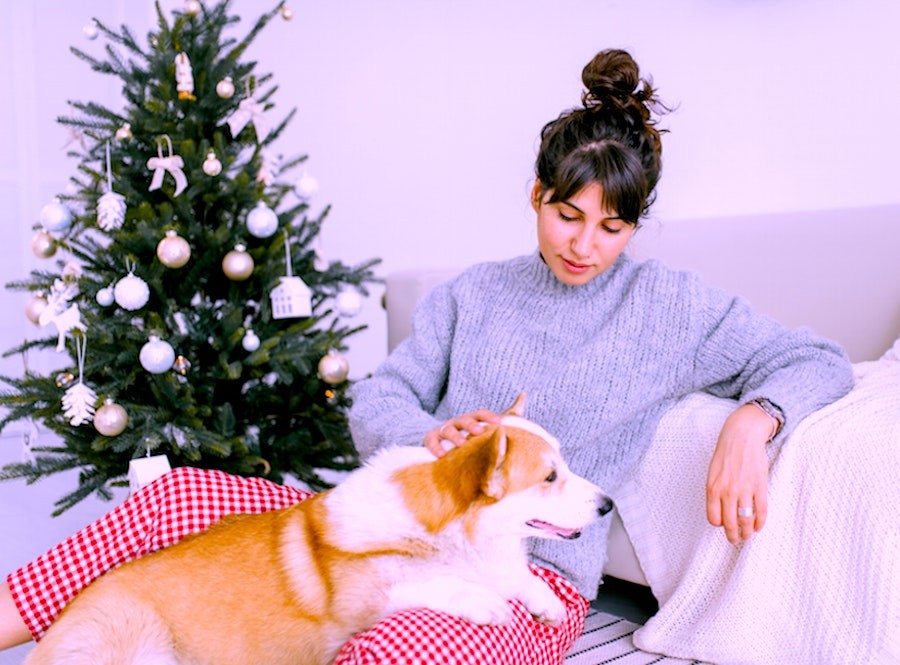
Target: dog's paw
{"x":452,"y":595}
{"x":482,"y":606}
{"x":544,"y":605}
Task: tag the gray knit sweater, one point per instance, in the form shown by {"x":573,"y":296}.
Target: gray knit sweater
{"x":600,"y":364}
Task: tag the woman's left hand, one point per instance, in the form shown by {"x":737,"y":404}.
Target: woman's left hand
{"x":738,"y":480}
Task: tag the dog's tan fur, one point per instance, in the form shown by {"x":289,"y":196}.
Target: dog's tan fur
{"x":292,"y":585}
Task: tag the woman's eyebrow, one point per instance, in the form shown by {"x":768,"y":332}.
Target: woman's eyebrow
{"x":572,"y":205}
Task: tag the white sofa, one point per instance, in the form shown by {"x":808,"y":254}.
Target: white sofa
{"x":835,"y":271}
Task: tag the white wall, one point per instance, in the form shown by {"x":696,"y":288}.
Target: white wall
{"x":421,"y":118}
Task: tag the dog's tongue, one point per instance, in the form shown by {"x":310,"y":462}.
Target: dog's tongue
{"x":561,"y":532}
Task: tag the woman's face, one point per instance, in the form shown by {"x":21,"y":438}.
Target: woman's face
{"x":578,"y":238}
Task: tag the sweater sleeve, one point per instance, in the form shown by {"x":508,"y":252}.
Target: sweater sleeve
{"x":742,"y":355}
{"x":395,"y":405}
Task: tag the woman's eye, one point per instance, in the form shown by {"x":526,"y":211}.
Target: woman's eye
{"x":611,"y":230}
{"x":566,"y":218}
{"x":551,"y":478}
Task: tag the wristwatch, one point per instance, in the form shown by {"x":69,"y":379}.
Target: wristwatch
{"x":773,"y":411}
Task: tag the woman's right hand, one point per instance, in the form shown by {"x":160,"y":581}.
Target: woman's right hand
{"x":456,"y":430}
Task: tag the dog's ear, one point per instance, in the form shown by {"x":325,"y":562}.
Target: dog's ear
{"x":518,"y":407}
{"x":494,"y":484}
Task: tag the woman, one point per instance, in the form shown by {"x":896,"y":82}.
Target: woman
{"x":601,"y":344}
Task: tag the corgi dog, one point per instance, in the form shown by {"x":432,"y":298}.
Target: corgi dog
{"x":291,"y":586}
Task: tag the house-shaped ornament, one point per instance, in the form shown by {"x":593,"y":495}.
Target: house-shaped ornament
{"x":292,"y":298}
{"x":144,"y":470}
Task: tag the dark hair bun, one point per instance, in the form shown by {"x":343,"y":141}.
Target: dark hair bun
{"x":611,"y":73}
{"x":612,"y":79}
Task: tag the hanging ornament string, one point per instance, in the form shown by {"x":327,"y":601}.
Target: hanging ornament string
{"x":78,"y":402}
{"x":110,"y":206}
{"x":173,"y":164}
{"x":249,"y":110}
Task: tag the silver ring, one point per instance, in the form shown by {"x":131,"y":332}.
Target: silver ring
{"x":745,"y":511}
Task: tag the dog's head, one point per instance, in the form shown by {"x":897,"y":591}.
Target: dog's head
{"x":512,"y":476}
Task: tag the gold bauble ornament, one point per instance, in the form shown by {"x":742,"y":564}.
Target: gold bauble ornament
{"x":64,"y":379}
{"x":123,"y":133}
{"x":110,"y":419}
{"x":237,"y":264}
{"x":333,"y":368}
{"x":181,"y":365}
{"x":173,"y":251}
{"x":43,"y":245}
{"x":34,"y":306}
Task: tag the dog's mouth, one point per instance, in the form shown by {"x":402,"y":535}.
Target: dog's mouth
{"x":555,"y":531}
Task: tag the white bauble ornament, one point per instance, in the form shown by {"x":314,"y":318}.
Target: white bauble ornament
{"x":55,"y":216}
{"x":105,"y":296}
{"x":307,"y":186}
{"x":110,"y":419}
{"x":90,"y":30}
{"x":225,"y":88}
{"x":211,"y":165}
{"x":43,"y":245}
{"x":333,"y":368}
{"x":34,"y":306}
{"x":250,"y":341}
{"x":237,"y":264}
{"x":123,"y":133}
{"x":192,"y":7}
{"x":262,"y":221}
{"x":131,"y":292}
{"x":173,"y":251}
{"x":349,"y":303}
{"x":157,"y":355}
{"x":287,"y":13}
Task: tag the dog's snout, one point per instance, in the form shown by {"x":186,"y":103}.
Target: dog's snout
{"x":606,"y":505}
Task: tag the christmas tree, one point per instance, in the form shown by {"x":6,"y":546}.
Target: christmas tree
{"x":200,"y":321}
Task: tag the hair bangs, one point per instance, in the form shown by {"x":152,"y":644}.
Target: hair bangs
{"x":618,"y":172}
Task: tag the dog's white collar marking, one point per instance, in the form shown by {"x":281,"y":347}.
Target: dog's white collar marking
{"x":528,"y":426}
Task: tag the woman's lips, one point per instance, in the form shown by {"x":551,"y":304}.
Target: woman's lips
{"x":577,"y":268}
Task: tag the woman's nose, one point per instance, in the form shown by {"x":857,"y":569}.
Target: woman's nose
{"x":581,"y":242}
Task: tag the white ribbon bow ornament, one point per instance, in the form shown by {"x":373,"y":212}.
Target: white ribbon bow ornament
{"x":249,"y":109}
{"x":173,"y":164}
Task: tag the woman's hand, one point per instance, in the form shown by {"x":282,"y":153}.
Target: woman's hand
{"x":457,"y":429}
{"x":738,"y":481}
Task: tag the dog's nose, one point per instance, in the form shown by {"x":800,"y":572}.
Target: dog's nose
{"x":605,"y":506}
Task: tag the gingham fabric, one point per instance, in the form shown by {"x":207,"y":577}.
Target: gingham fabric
{"x":187,"y":500}
{"x":425,"y":637}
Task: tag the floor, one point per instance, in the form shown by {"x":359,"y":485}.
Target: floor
{"x":625,"y":599}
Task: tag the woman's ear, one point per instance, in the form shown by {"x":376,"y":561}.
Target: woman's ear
{"x":536,"y":193}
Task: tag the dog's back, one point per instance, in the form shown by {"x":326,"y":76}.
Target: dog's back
{"x":227,"y":593}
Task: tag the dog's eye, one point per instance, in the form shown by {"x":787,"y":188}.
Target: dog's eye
{"x":551,"y":478}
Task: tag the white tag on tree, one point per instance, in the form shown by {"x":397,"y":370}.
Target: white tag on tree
{"x":144,"y":470}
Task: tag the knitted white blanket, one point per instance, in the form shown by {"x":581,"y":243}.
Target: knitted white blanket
{"x":821,"y":583}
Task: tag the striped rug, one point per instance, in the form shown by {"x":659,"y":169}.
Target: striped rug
{"x":607,"y":639}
